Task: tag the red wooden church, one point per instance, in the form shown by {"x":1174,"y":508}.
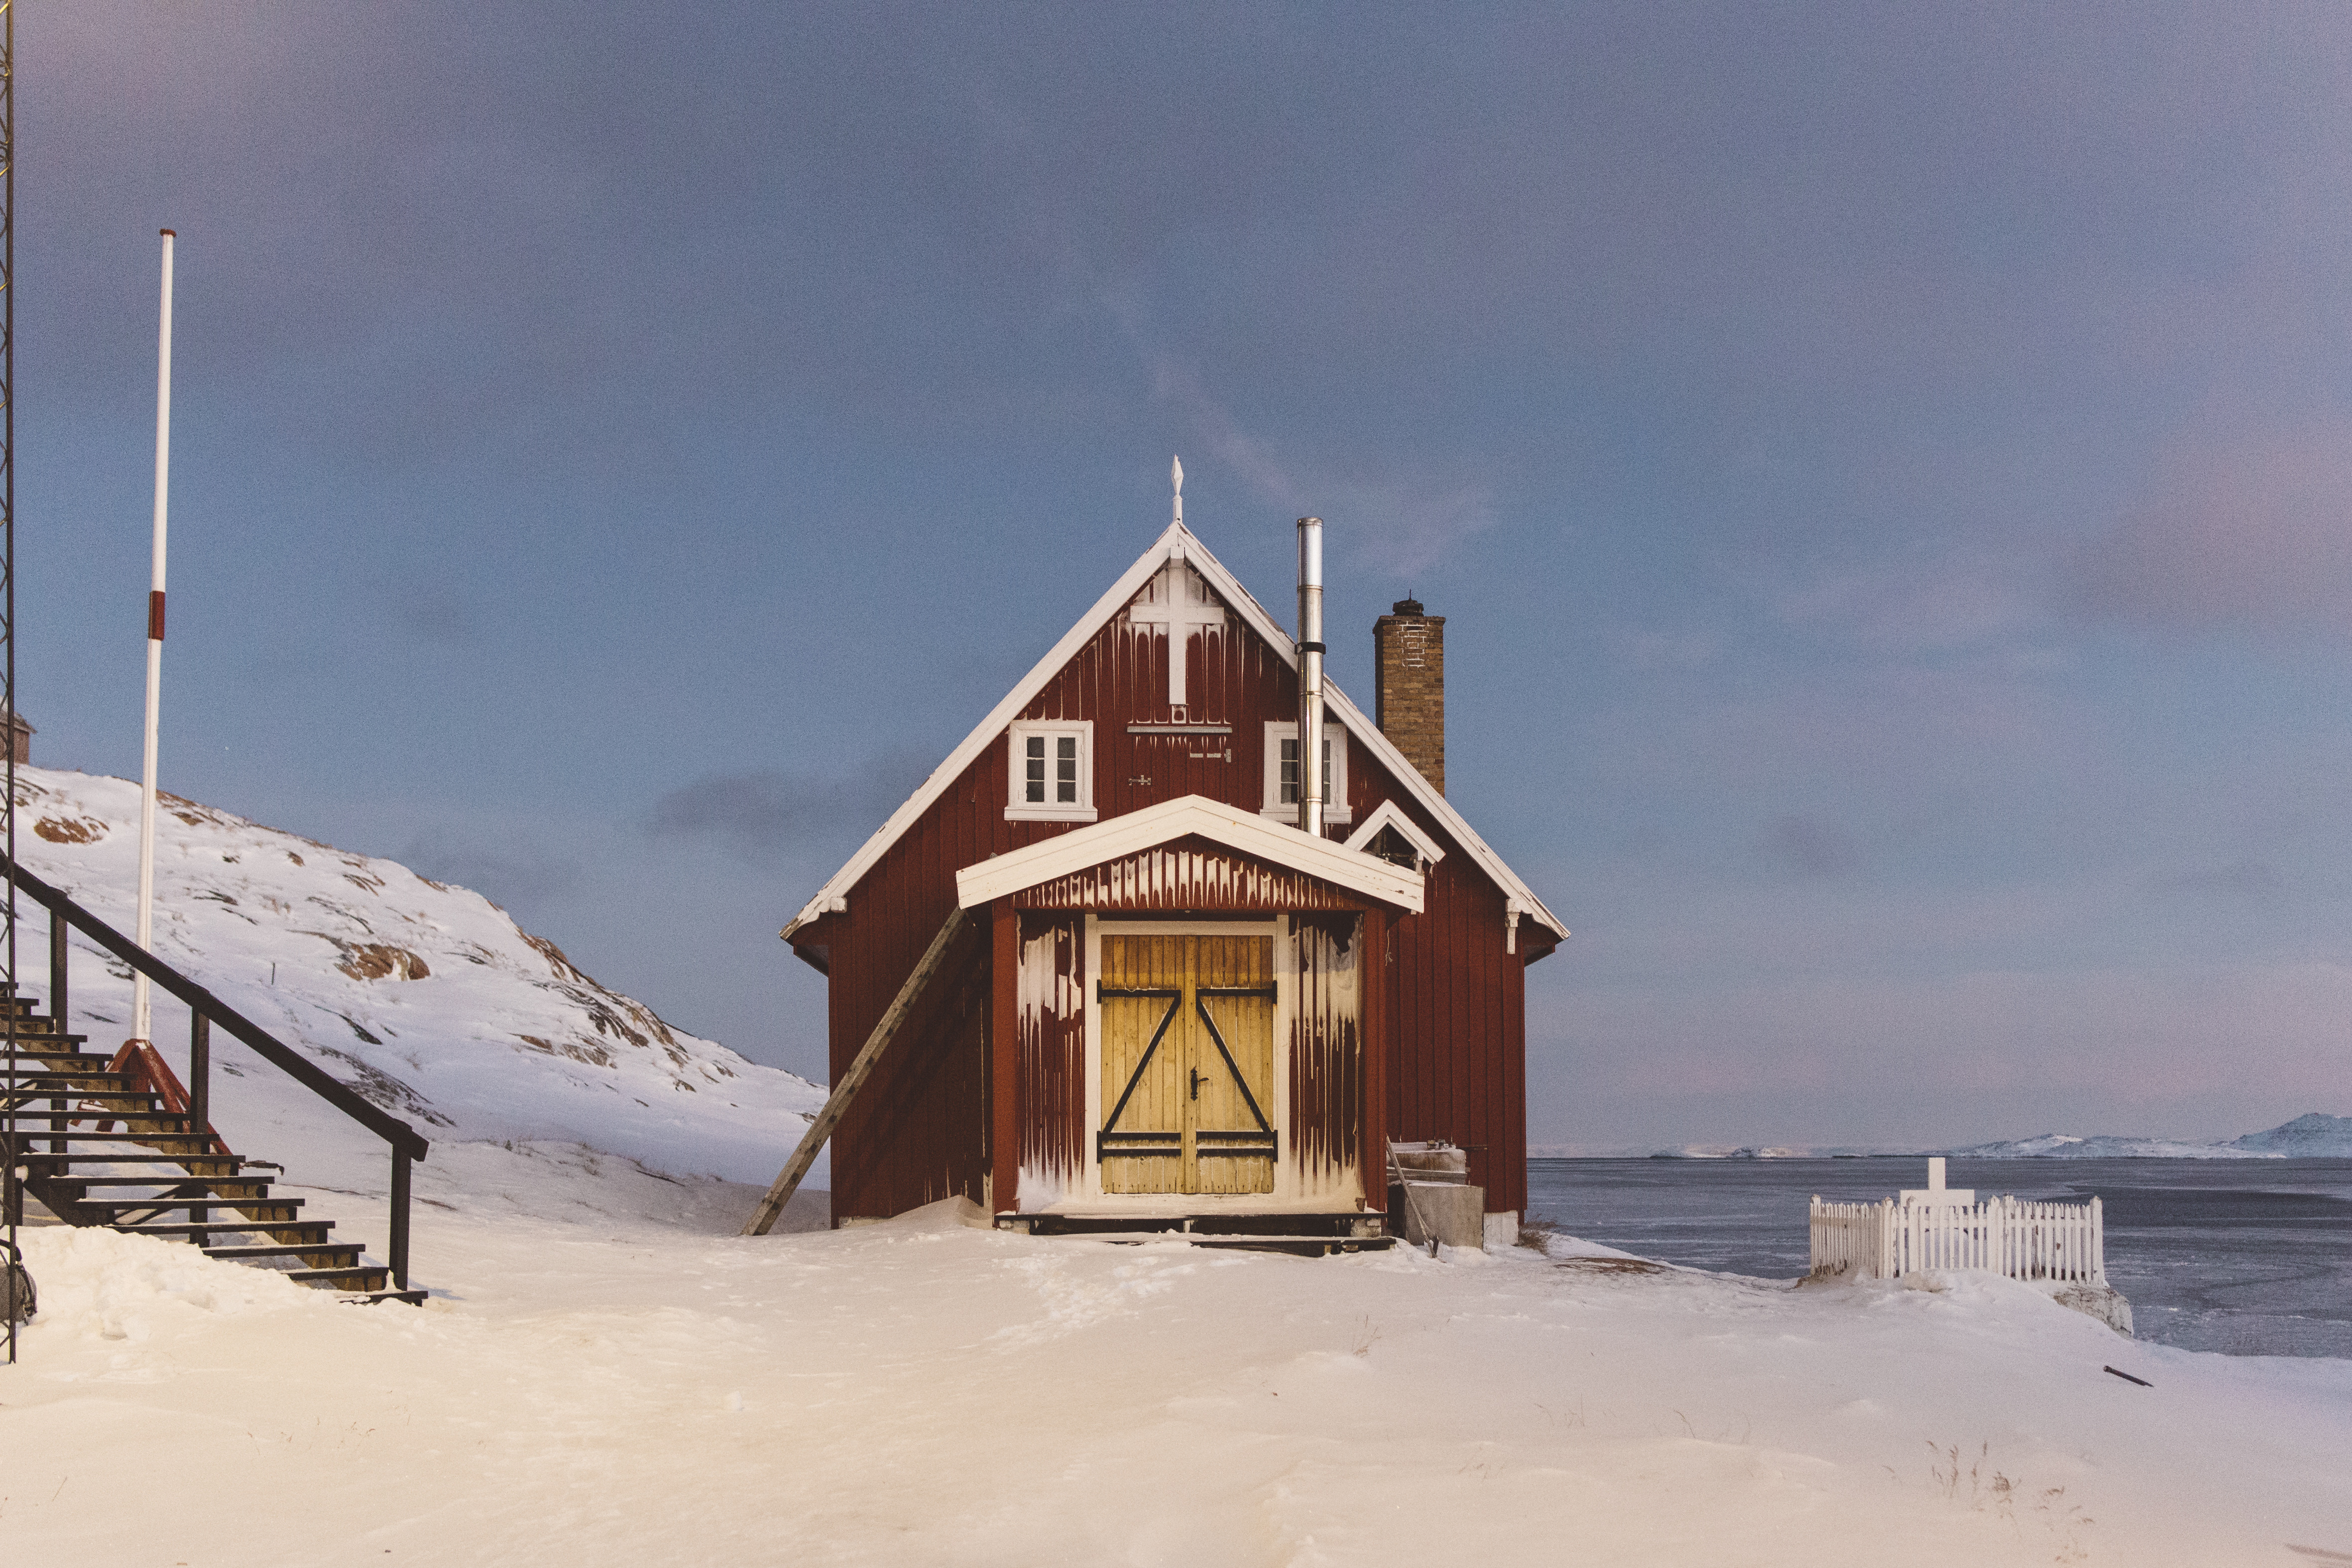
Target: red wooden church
{"x":1166,"y":999}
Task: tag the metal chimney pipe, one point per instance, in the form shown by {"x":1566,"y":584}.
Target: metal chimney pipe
{"x":1310,"y":675}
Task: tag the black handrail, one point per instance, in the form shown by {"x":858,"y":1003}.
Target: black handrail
{"x":407,"y":1143}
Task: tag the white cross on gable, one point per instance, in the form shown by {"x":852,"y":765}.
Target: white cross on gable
{"x":1184,"y":605}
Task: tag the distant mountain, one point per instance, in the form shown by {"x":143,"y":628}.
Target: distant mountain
{"x":2060,"y":1146}
{"x":2313,"y":1136}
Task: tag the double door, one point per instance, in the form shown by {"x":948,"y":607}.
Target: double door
{"x":1187,"y":1064}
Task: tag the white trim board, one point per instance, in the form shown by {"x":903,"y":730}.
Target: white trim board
{"x":1180,"y":543}
{"x":1243,"y":832}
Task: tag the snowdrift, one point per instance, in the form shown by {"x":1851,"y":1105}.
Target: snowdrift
{"x":427,"y":998}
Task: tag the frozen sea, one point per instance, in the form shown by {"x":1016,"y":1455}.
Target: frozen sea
{"x":2246,"y":1257}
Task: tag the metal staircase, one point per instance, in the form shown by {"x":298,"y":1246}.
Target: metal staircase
{"x":121,"y":1150}
{"x":120,"y":1142}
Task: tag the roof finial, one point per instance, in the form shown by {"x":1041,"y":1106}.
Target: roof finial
{"x":1176,"y":477}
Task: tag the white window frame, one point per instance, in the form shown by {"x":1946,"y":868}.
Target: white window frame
{"x":1271,"y":804}
{"x":1017,"y":807}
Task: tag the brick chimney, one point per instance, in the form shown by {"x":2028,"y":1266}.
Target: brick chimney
{"x":1409,"y":686}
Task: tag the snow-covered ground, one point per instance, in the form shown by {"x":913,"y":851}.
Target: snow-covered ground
{"x":606,"y":1373}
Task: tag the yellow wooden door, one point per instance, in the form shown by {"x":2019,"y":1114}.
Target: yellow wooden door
{"x":1231,"y":1140}
{"x":1187,"y":1064}
{"x":1141,"y":993}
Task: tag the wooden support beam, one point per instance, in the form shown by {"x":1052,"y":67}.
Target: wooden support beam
{"x":836,"y":1105}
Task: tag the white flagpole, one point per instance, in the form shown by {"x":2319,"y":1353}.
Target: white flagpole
{"x":138,"y":988}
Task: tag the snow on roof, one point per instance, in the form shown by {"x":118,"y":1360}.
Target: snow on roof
{"x":1179,"y":543}
{"x":1191,"y":815}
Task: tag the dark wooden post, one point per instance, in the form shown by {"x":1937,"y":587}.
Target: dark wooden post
{"x":58,"y":932}
{"x":200,"y":1099}
{"x":200,"y":1075}
{"x":397,"y":1251}
{"x":1004,"y":1068}
{"x":57,"y":974}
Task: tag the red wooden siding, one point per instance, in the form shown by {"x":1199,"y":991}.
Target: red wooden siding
{"x":1450,"y":1061}
{"x":1457,"y":1069}
{"x":910,"y":1137}
{"x":1050,"y":1035}
{"x":1189,"y":873}
{"x":1327,"y":1057}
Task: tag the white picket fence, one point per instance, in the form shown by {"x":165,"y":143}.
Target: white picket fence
{"x":1890,"y":1238}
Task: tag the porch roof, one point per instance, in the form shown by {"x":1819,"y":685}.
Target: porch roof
{"x":1193,"y":815}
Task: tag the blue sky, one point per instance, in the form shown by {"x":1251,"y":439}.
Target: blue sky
{"x":1888,"y":472}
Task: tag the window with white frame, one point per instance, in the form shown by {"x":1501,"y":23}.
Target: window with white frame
{"x":1282,"y":772}
{"x":1052,"y":776}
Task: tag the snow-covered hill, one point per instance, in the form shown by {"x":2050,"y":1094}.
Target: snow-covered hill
{"x":2065,"y":1146}
{"x":2314,"y":1136}
{"x":427,"y":998}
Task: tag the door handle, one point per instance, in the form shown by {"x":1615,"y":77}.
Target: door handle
{"x":1196,"y":1083}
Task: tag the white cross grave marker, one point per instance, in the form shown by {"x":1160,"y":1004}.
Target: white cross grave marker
{"x":1935,"y":1194}
{"x":1182,"y":615}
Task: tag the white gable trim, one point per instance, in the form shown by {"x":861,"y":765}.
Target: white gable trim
{"x":1388,"y":814}
{"x":1177,"y":543}
{"x":1193,"y":815}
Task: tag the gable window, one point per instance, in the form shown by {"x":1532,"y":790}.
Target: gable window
{"x":1388,"y":832}
{"x":1393,"y":847}
{"x":1281,"y":802}
{"x":1052,"y":774}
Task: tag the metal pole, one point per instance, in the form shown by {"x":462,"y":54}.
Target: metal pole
{"x":140,"y":999}
{"x":1310,"y":675}
{"x":9,"y":1151}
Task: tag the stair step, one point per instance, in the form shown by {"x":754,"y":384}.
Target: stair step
{"x":209,"y":1183}
{"x":203,"y":1190}
{"x":204,"y":1227}
{"x":347,"y":1250}
{"x":88,"y":1146}
{"x":92,"y":1135}
{"x":367,"y":1278}
{"x":135,"y":1098}
{"x":42,"y":1065}
{"x":235,"y":1218}
{"x":52,"y":1159}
